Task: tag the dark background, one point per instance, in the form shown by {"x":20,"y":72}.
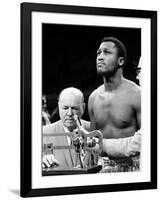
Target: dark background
{"x":69,"y":59}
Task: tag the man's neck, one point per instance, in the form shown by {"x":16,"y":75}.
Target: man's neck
{"x":114,"y":82}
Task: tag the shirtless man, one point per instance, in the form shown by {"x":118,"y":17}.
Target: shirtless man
{"x":114,"y":107}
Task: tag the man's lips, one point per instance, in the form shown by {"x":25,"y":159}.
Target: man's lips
{"x":70,"y":120}
{"x":100,"y":64}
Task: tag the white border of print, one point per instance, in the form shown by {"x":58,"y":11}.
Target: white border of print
{"x":39,"y":181}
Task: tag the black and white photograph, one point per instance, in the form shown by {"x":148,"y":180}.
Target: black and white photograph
{"x":89,"y":91}
{"x":91,"y":100}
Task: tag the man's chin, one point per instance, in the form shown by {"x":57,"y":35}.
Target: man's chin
{"x":107,"y":74}
{"x":101,"y":73}
{"x":70,"y":125}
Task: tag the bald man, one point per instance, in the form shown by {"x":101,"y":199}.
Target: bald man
{"x":70,"y":103}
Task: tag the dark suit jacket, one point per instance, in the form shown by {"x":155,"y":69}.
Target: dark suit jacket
{"x":66,"y":157}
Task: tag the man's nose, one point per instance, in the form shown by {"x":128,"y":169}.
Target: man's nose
{"x":100,"y":57}
{"x":70,"y":112}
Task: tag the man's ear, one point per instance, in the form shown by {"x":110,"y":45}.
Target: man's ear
{"x":121,"y":61}
{"x":83,"y":108}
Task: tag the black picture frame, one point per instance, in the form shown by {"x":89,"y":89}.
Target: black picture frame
{"x":26,"y":99}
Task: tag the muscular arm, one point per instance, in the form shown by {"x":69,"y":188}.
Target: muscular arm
{"x":90,"y":112}
{"x":137,"y":106}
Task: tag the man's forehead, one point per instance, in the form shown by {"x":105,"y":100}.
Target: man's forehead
{"x":107,"y":44}
{"x":70,"y":100}
{"x":65,"y":104}
{"x":70,"y":104}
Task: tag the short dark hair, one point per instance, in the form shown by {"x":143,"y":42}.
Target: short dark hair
{"x":120,"y":46}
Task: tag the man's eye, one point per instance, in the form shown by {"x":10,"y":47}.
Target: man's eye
{"x":106,"y":52}
{"x":65,"y":108}
{"x":76,"y":109}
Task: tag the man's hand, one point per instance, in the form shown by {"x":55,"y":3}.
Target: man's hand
{"x":49,"y":161}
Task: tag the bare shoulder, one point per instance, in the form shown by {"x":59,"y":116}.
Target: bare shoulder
{"x":133,"y":91}
{"x":96,"y":92}
{"x":92,"y":98}
{"x":132,"y":87}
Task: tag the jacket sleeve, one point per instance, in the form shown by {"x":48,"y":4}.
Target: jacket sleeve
{"x":123,"y":147}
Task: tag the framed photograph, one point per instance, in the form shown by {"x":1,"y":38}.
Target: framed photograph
{"x":66,"y":47}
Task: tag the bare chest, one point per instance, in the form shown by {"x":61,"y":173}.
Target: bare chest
{"x":113,"y":109}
